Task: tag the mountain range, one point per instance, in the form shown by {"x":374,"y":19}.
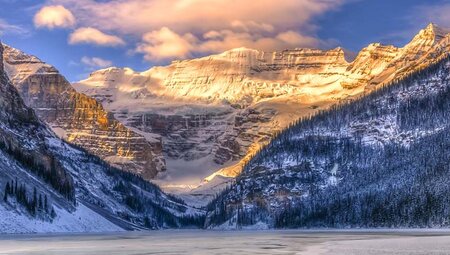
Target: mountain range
{"x":213,"y":113}
{"x":297,"y":138}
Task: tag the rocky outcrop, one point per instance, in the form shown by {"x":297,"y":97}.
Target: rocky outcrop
{"x":80,"y":119}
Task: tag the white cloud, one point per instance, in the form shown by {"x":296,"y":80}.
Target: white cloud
{"x":89,"y":35}
{"x":166,"y":44}
{"x":54,"y":16}
{"x":294,"y":38}
{"x":95,"y":62}
{"x":251,"y":26}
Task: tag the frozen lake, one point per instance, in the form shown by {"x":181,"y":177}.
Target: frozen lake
{"x":233,"y":242}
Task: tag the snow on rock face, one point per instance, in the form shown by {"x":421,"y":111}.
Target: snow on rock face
{"x":80,"y":119}
{"x":22,"y":134}
{"x":241,"y":76}
{"x":264,"y":92}
{"x":427,"y":38}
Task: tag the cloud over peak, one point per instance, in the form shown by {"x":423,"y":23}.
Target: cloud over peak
{"x":166,"y":44}
{"x":183,"y":16}
{"x":94,"y":62}
{"x":89,"y":35}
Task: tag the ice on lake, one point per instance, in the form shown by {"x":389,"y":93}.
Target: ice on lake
{"x":232,"y":242}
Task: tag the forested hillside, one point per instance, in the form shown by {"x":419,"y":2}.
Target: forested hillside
{"x":379,"y":161}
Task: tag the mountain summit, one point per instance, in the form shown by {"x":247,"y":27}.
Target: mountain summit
{"x":433,"y":32}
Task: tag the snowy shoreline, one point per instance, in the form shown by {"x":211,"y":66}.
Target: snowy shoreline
{"x":349,"y":231}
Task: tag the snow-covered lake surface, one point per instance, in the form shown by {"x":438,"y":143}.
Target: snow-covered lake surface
{"x":233,"y":242}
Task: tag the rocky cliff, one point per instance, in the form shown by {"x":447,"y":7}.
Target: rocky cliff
{"x":80,"y":119}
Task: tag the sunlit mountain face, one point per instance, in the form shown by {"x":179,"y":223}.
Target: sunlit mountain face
{"x":133,"y":115}
{"x":183,"y":93}
{"x":213,"y":113}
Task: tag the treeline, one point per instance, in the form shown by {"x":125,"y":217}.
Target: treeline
{"x":155,"y":208}
{"x":35,"y":205}
{"x":54,"y":175}
{"x":116,"y":173}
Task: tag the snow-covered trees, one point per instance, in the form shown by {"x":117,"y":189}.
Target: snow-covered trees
{"x":35,"y":205}
{"x":381,"y":160}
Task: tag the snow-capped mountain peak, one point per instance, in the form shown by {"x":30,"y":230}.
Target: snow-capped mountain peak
{"x":378,"y":161}
{"x":426,"y":39}
{"x":434,"y":32}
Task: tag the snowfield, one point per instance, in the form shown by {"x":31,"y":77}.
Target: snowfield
{"x":82,"y":220}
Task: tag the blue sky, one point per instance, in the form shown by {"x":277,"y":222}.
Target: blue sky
{"x":79,"y":36}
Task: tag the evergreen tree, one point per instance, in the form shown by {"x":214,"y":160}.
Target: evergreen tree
{"x":40,"y":205}
{"x":45,"y":203}
{"x":7,"y":191}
